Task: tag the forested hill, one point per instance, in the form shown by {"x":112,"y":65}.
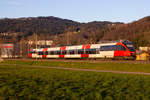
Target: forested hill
{"x":43,"y":25}
{"x":68,"y":32}
{"x":49,"y":27}
{"x":137,"y":31}
{"x":39,"y":25}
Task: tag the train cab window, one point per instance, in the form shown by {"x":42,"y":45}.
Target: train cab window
{"x":129,"y":45}
{"x":40,"y":53}
{"x":123,"y":48}
{"x":120,"y":47}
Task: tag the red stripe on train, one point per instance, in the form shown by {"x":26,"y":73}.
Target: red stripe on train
{"x":84,"y":55}
{"x":122,"y":52}
{"x":62,"y":48}
{"x":44,"y":56}
{"x":30,"y":55}
{"x":82,"y":46}
{"x":88,"y":46}
{"x":44,"y":50}
{"x":61,"y":56}
{"x":7,"y":46}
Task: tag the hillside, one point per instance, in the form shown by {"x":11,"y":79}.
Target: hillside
{"x":48,"y":28}
{"x":40,"y":25}
{"x":86,"y":33}
{"x":138,"y":32}
{"x":68,"y":32}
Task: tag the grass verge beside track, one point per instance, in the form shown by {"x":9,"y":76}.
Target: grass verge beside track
{"x":117,"y":66}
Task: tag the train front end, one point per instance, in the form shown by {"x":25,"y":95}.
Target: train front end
{"x":131,"y":49}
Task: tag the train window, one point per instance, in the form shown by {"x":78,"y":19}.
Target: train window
{"x":123,"y":48}
{"x":64,"y":52}
{"x":51,"y":52}
{"x":40,"y":53}
{"x":33,"y":52}
{"x":87,"y":51}
{"x":92,"y":51}
{"x":120,"y":47}
{"x":46,"y":53}
{"x":55,"y":53}
{"x":106,"y":48}
{"x":80,"y":51}
{"x":58,"y":52}
{"x":76,"y":51}
{"x":112,"y":48}
{"x":71,"y":52}
{"x":129,"y":45}
{"x":67,"y":51}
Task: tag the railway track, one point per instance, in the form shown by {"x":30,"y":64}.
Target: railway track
{"x":85,"y":60}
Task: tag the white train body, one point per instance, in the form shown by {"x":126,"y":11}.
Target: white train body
{"x":102,"y":50}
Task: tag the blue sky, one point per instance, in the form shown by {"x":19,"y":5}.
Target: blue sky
{"x":77,"y":10}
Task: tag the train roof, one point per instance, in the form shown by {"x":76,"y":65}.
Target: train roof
{"x":100,"y":43}
{"x":115,"y":41}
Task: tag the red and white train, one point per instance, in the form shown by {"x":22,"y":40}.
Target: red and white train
{"x":115,"y":49}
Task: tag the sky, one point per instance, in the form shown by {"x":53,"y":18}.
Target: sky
{"x":77,"y":10}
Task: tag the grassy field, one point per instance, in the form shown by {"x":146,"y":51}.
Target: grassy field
{"x":115,"y":66}
{"x":28,"y":83}
{"x":19,"y":80}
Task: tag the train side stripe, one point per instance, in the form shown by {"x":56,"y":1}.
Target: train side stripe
{"x":62,"y":48}
{"x":44,"y":50}
{"x":88,"y":46}
{"x":121,"y":53}
{"x":82,"y":46}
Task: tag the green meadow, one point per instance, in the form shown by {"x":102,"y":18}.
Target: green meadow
{"x":20,"y":81}
{"x":106,"y":65}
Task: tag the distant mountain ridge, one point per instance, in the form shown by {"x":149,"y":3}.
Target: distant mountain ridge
{"x":24,"y":27}
{"x":28,"y":26}
{"x":68,"y":32}
{"x":48,"y":25}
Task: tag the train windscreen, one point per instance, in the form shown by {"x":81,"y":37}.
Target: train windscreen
{"x":129,"y":45}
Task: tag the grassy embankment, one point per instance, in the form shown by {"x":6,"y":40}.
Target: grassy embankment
{"x":117,"y":66}
{"x":25,"y":83}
